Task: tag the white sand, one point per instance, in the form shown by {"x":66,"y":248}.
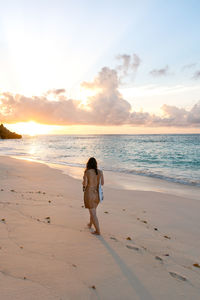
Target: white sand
{"x":62,"y":260}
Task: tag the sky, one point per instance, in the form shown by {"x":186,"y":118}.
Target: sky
{"x":88,"y":66}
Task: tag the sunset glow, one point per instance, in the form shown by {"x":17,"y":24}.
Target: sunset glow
{"x":30,"y":128}
{"x":80,"y":68}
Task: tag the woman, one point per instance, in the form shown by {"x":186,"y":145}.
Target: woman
{"x":91,"y":179}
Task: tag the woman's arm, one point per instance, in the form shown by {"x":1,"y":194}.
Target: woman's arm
{"x":102,"y":178}
{"x":85,"y":181}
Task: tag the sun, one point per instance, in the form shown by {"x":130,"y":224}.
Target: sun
{"x":30,"y":128}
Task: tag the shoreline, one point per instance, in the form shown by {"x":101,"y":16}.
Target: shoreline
{"x":131,"y":182}
{"x":166,"y":159}
{"x":149,"y":239}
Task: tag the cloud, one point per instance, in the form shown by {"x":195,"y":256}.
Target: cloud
{"x":129,"y":64}
{"x":189,"y":66}
{"x":174,"y":116}
{"x":106,"y":107}
{"x":194,"y":114}
{"x":160,"y":72}
{"x":179,"y":117}
{"x":56,"y":91}
{"x":126,"y":62}
{"x":136,"y":61}
{"x":19,"y":108}
{"x":107,"y":79}
{"x":196,"y":75}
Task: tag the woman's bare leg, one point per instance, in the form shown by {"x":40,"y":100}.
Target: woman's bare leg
{"x":95,"y":220}
{"x":90,"y":223}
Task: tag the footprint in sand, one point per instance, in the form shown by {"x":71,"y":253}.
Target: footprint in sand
{"x":159,"y":258}
{"x":114,"y":239}
{"x":132,"y":247}
{"x":144,"y":248}
{"x":48,"y":219}
{"x":167,"y":237}
{"x":196,"y":265}
{"x":143,"y":221}
{"x":177,"y":276}
{"x":93,"y":287}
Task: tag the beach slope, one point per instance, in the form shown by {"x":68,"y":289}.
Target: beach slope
{"x":149,"y":248}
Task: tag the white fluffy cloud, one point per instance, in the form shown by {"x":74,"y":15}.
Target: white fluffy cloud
{"x":18,"y":108}
{"x":106,"y":107}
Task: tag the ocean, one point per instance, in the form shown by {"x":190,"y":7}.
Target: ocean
{"x":171,"y":157}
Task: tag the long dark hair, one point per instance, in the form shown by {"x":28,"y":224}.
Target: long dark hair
{"x":92,"y":164}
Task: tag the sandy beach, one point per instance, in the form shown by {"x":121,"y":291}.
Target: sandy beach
{"x":149,"y":248}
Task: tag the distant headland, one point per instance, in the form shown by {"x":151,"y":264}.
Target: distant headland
{"x":7,"y":134}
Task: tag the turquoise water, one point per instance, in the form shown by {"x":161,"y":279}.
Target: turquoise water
{"x":170,"y":157}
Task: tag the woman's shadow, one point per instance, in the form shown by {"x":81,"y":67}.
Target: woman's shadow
{"x":135,"y":283}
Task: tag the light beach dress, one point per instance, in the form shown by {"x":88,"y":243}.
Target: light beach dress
{"x":91,"y":193}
